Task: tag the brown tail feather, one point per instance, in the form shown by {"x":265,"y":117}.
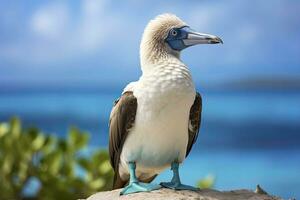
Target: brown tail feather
{"x":118,"y":182}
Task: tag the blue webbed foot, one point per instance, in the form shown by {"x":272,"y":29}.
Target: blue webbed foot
{"x":178,"y":186}
{"x":175,"y":183}
{"x":135,"y":187}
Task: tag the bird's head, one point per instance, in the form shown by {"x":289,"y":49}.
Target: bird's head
{"x":167,"y":35}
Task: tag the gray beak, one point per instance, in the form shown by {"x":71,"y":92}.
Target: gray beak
{"x":194,"y":38}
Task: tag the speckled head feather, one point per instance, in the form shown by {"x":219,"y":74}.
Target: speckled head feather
{"x":153,"y":47}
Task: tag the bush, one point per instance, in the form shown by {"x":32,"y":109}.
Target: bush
{"x":34,"y":165}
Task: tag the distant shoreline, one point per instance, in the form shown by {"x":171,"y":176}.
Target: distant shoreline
{"x":242,"y":85}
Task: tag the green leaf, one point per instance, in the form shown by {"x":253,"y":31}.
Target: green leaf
{"x":99,"y":156}
{"x":207,"y":182}
{"x":62,"y":145}
{"x":49,"y":144}
{"x":7,"y":164}
{"x":84,"y":163}
{"x":32,"y":133}
{"x":53,"y":162}
{"x":4,"y":128}
{"x":15,"y":127}
{"x":38,"y":142}
{"x":22,"y":174}
{"x":105,"y":167}
{"x":76,"y":139}
{"x":98,"y":183}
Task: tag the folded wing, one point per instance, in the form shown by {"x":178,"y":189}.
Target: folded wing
{"x":194,"y":122}
{"x":122,"y":119}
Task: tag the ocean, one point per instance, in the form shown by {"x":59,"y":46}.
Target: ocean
{"x":246,"y":137}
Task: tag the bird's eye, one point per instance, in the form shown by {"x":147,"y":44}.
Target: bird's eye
{"x":173,"y":32}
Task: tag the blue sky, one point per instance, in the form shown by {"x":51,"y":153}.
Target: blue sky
{"x":97,"y":41}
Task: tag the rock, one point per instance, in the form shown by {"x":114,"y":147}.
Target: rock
{"x":259,"y":190}
{"x":167,"y":194}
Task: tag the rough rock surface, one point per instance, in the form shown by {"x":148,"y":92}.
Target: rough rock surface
{"x":167,"y":194}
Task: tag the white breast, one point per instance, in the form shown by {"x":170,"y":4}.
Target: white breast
{"x":160,"y":133}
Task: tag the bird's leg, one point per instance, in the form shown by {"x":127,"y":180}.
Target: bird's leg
{"x":136,"y":186}
{"x":175,"y":182}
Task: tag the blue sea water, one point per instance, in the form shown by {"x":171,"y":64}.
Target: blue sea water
{"x":246,"y":138}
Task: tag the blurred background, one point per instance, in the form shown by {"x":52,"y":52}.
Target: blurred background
{"x":63,"y":63}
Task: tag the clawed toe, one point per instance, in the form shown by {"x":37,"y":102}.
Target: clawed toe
{"x":139,"y":187}
{"x":178,"y":186}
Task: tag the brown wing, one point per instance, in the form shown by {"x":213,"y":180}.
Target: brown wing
{"x":122,"y":118}
{"x":194,"y":122}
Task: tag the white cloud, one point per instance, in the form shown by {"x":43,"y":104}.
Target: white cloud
{"x":50,"y":21}
{"x":94,"y":25}
{"x":60,"y":34}
{"x":206,"y":16}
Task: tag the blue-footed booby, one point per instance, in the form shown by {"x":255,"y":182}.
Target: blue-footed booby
{"x":155,"y":122}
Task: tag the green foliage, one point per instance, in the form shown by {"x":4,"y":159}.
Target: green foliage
{"x":206,"y":182}
{"x":57,"y":164}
